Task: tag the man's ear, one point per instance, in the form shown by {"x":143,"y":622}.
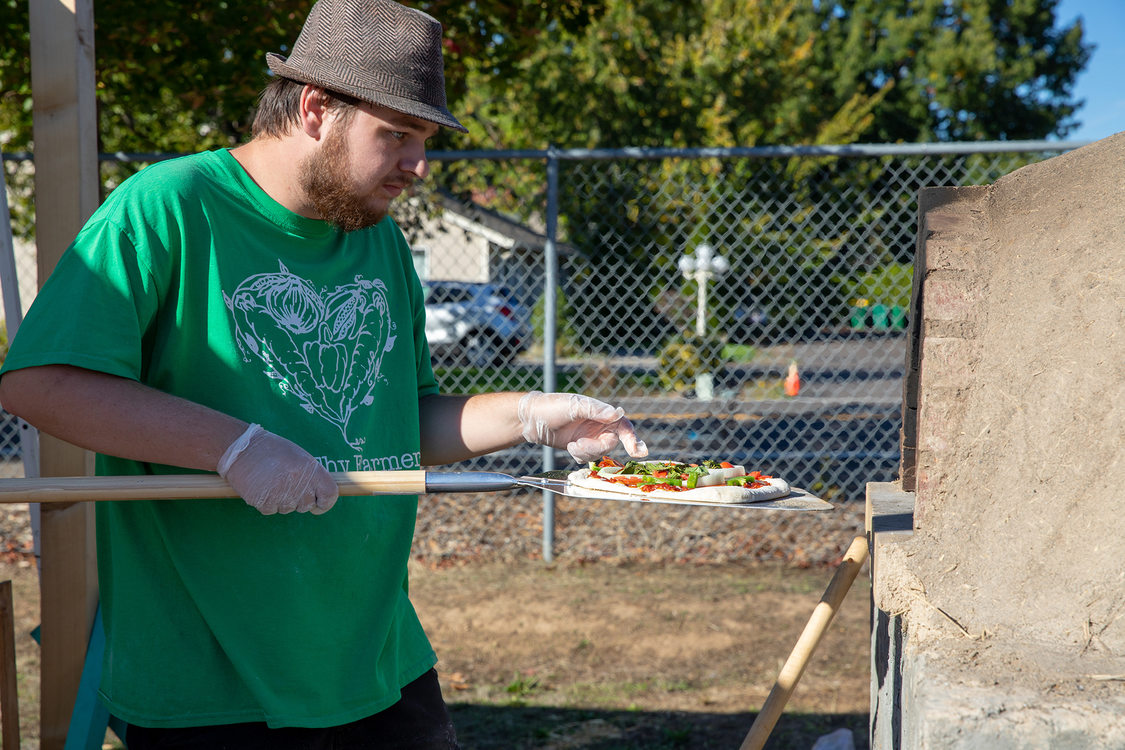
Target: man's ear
{"x":313,"y":110}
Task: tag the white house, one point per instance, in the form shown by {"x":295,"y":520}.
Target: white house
{"x":467,"y":242}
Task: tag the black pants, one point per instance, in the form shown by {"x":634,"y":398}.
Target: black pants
{"x":419,"y":721}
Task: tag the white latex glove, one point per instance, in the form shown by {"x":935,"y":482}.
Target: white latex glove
{"x":275,"y":475}
{"x":586,"y":427}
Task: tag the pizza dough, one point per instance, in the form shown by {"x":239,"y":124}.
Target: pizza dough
{"x":711,"y":489}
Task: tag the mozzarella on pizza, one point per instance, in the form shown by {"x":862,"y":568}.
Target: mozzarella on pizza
{"x":710,"y":481}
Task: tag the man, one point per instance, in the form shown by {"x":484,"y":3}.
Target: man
{"x":253,"y":312}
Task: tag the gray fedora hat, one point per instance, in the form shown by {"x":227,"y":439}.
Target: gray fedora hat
{"x":375,"y":50}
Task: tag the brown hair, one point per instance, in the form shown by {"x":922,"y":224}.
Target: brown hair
{"x":279,"y":107}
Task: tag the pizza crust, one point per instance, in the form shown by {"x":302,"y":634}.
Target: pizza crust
{"x":716,"y":494}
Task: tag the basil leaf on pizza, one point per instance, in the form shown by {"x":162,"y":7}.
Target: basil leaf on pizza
{"x":707,"y":481}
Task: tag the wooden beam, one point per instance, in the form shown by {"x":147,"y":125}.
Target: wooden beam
{"x":9,"y":691}
{"x":66,"y":193}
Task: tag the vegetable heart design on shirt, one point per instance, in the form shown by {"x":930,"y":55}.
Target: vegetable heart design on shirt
{"x":325,"y":349}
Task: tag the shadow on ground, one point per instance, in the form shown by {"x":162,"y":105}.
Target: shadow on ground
{"x":481,"y":727}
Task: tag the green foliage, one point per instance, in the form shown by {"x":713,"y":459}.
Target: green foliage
{"x":566,"y":335}
{"x":889,"y":285}
{"x":180,"y":76}
{"x":170,"y":76}
{"x":521,"y":688}
{"x":739,"y":353}
{"x":664,"y":73}
{"x":957,"y":69}
{"x":657,"y":73}
{"x":685,"y":356}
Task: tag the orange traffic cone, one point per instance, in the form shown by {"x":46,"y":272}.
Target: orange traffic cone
{"x":792,"y":381}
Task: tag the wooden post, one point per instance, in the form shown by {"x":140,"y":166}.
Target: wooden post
{"x":9,"y":695}
{"x":66,"y":193}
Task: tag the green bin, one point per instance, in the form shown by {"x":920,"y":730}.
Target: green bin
{"x":880,"y":317}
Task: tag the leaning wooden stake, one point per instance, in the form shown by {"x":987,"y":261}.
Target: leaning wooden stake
{"x":806,"y":644}
{"x":9,"y":699}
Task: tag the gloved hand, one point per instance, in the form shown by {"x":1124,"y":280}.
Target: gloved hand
{"x":275,"y":475}
{"x":586,"y":427}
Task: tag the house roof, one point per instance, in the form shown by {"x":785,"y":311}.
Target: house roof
{"x":497,"y":228}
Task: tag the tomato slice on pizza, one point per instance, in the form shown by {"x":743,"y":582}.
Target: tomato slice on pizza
{"x":707,"y":481}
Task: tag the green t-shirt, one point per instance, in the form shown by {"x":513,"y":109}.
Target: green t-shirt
{"x":193,"y":280}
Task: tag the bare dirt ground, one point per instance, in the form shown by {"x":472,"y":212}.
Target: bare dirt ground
{"x":639,"y":655}
{"x":607,"y":656}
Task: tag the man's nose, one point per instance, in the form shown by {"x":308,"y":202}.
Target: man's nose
{"x":416,"y":163}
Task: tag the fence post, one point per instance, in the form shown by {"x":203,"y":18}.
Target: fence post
{"x":550,"y":282}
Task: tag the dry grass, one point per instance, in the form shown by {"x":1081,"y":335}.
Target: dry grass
{"x":603,"y":655}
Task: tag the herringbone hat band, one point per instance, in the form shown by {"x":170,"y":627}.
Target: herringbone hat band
{"x":375,"y":50}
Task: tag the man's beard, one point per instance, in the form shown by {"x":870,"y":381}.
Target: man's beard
{"x":323,"y":178}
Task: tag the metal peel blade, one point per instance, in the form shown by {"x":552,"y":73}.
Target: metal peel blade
{"x":555,"y":482}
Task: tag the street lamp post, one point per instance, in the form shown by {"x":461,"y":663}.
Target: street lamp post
{"x":702,"y":267}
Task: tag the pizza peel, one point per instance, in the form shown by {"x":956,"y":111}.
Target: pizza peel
{"x":351,"y":484}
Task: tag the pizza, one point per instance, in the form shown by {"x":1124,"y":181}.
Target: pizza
{"x":707,"y":481}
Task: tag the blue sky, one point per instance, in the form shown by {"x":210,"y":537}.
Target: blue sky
{"x":1102,"y":84}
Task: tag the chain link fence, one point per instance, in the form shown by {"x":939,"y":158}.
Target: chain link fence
{"x":742,"y":304}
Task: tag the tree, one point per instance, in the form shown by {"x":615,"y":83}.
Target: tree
{"x":652,"y":73}
{"x":663,"y":73}
{"x":171,"y":76}
{"x":178,"y":76}
{"x":961,"y":70}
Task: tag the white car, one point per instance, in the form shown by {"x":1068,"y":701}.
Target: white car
{"x":474,"y":325}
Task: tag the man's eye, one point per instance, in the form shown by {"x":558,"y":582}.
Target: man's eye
{"x":398,"y":135}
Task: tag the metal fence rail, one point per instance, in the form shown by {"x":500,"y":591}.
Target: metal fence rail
{"x":743,"y":303}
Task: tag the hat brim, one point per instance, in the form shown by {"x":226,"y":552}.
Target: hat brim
{"x":428,"y":112}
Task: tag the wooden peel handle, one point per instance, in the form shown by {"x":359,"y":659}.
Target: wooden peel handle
{"x":187,"y":487}
{"x":798,"y":659}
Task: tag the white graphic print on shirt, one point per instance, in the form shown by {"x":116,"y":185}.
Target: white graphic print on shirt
{"x":326,"y":348}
